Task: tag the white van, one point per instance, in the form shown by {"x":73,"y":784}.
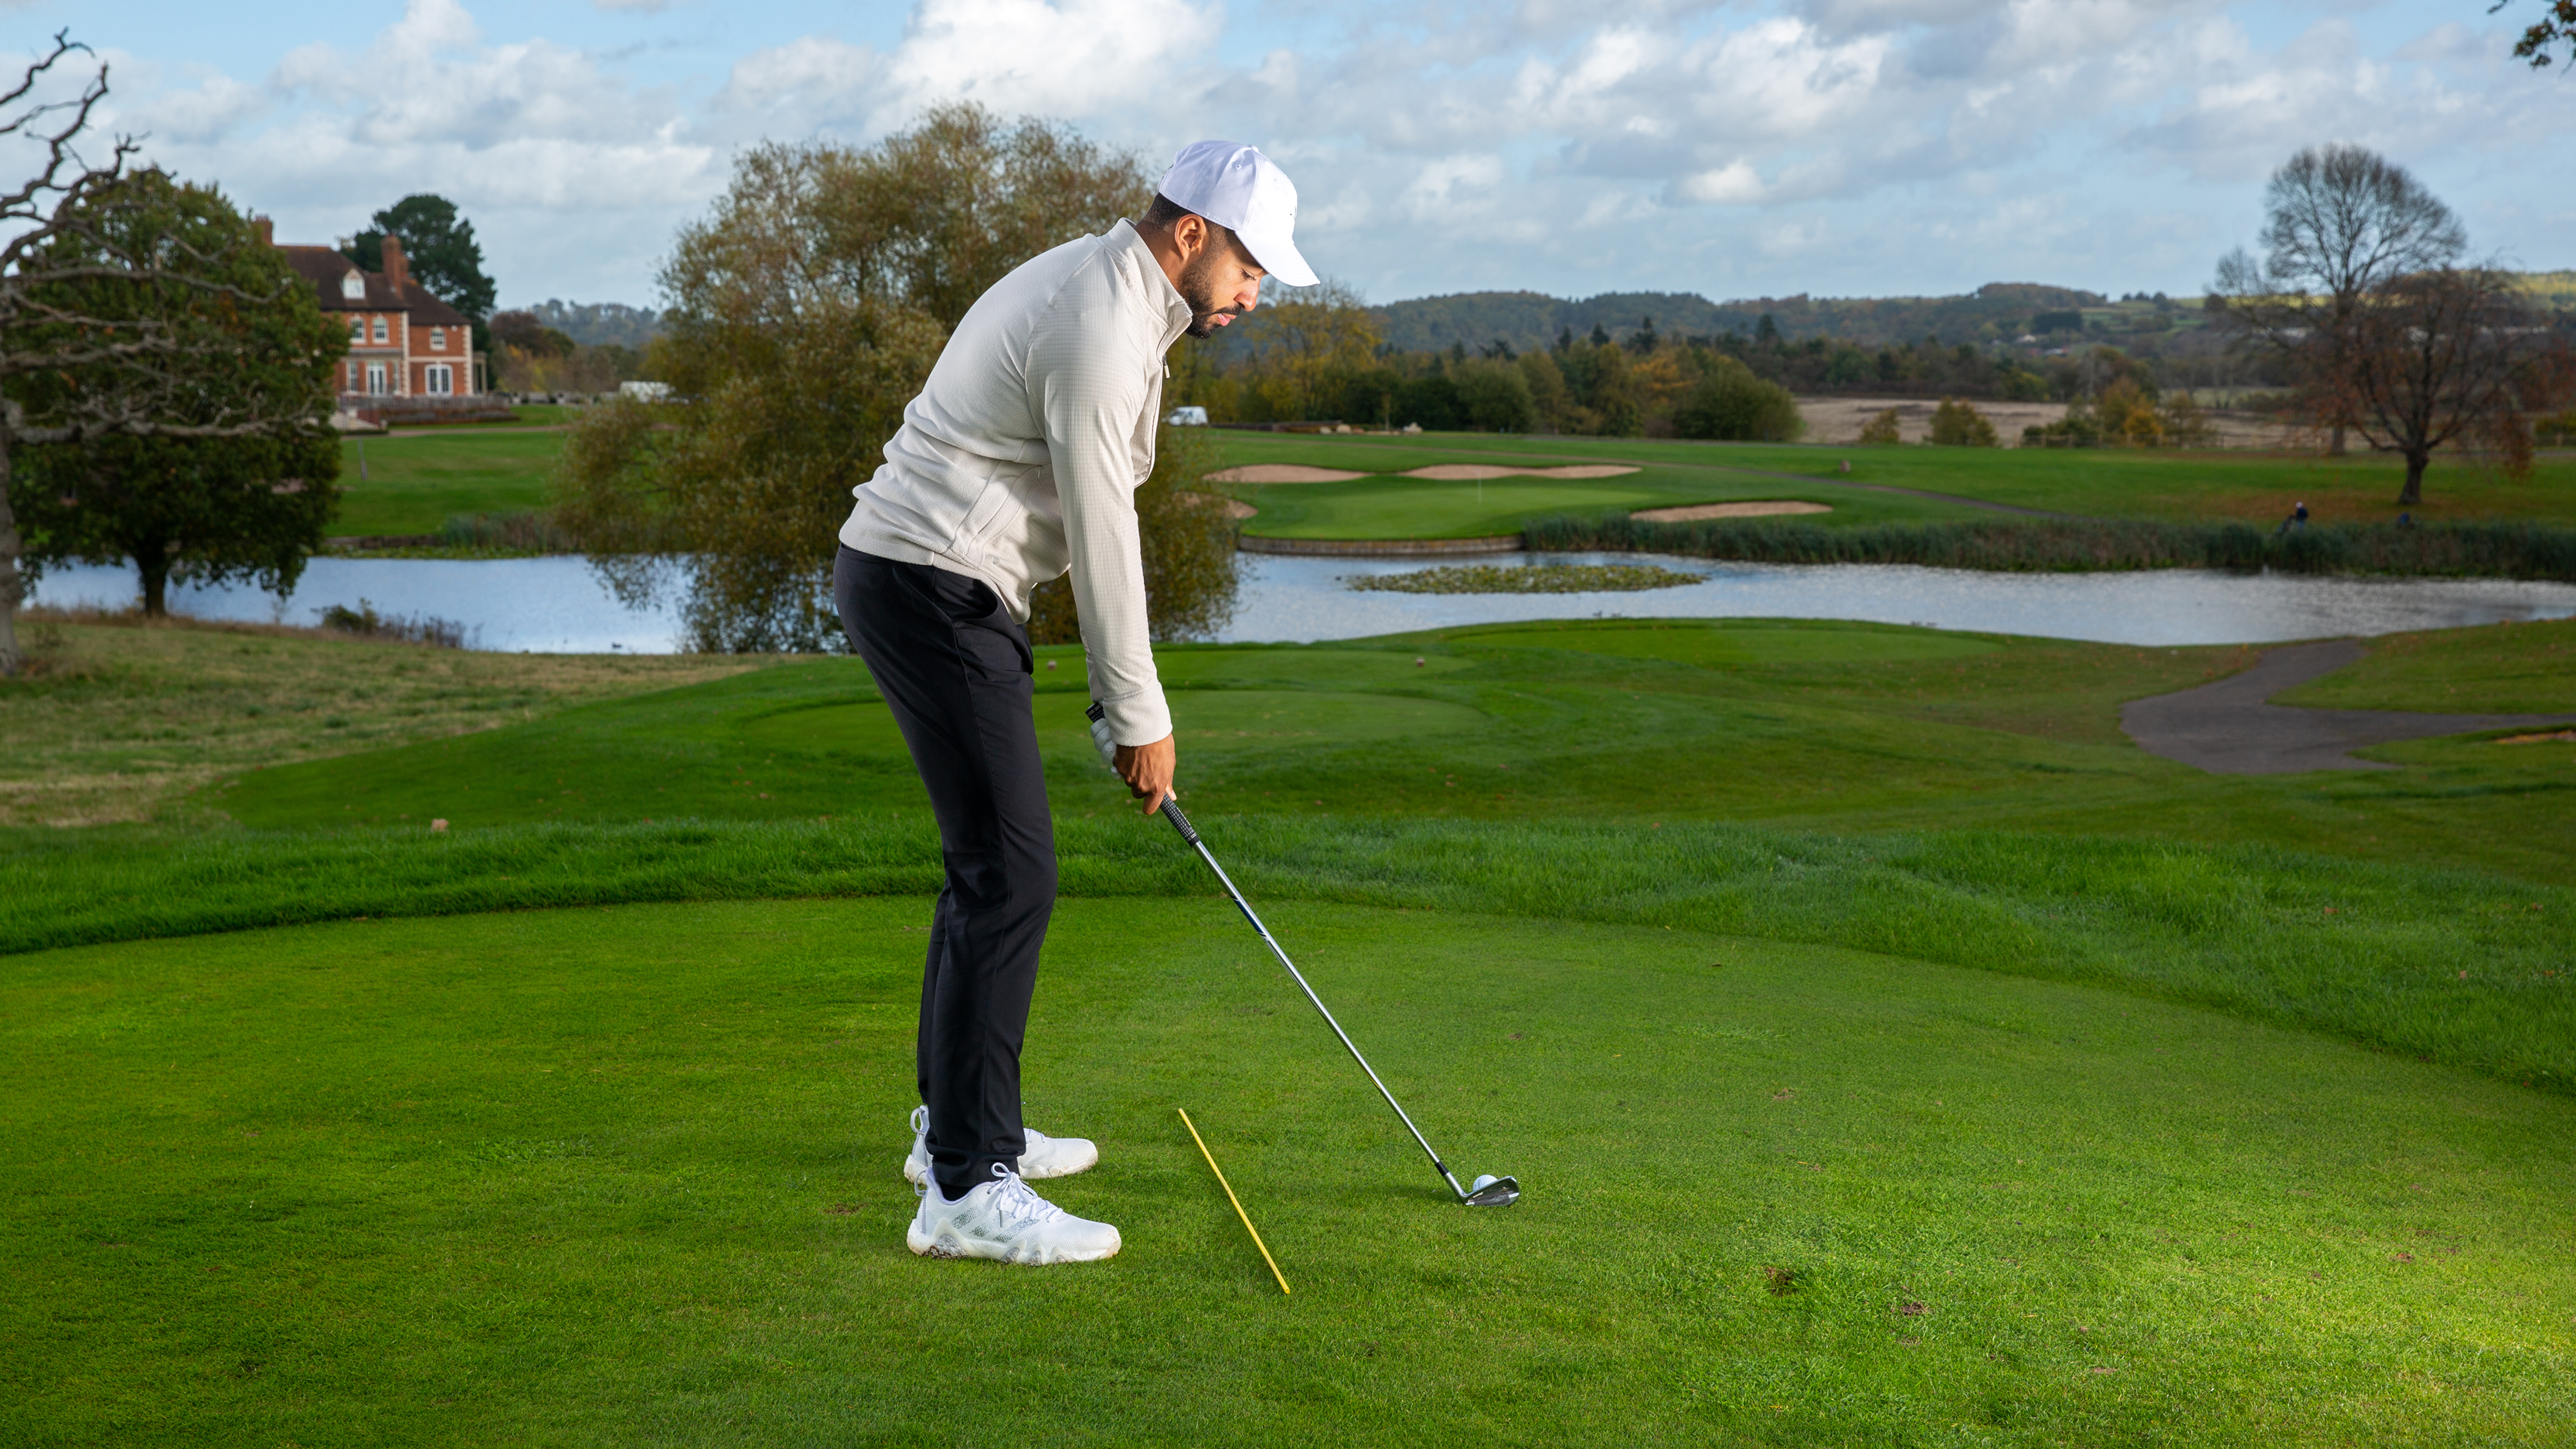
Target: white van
{"x":1188,"y":418}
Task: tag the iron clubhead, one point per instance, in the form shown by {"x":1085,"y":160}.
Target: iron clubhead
{"x":1492,"y":1192}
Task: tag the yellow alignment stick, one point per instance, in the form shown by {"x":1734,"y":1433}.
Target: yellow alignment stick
{"x":1230,"y":1197}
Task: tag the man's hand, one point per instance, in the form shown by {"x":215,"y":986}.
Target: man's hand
{"x":1147,"y":769}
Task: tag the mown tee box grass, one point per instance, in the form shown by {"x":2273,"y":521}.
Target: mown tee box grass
{"x":631,"y":1175}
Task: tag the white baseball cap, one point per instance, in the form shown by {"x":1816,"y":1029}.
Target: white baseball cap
{"x":1238,"y":188}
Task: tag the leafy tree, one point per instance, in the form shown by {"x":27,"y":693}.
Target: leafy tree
{"x":1880,"y":431}
{"x":1596,"y":376}
{"x":2126,"y":413}
{"x":2555,"y":29}
{"x":1959,"y":425}
{"x":1297,"y":344}
{"x":1495,"y":396}
{"x":246,"y":506}
{"x":439,"y":247}
{"x":1730,"y":403}
{"x":120,"y":320}
{"x":804,"y":312}
{"x":1548,"y":396}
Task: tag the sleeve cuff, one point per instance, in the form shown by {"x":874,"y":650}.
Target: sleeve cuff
{"x":1139,"y":719}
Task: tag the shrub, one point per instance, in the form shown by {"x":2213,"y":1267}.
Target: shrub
{"x":2493,"y":550}
{"x":1880,"y":431}
{"x":1958,"y":425}
{"x":1732,"y":404}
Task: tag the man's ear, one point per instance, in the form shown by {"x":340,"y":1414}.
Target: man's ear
{"x":1190,"y":235}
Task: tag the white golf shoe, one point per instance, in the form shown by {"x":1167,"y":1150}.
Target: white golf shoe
{"x":1005,"y":1220}
{"x":1041,"y":1156}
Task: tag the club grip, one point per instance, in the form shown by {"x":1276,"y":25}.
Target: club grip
{"x":1180,"y":822}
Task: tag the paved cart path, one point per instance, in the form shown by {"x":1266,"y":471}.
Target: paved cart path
{"x":2232,"y":728}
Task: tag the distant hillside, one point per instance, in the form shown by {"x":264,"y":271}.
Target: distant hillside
{"x":1527,"y":319}
{"x":593,"y":323}
{"x":2555,"y":291}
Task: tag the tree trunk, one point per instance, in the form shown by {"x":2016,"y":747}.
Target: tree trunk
{"x":10,"y":659}
{"x":2334,"y":442}
{"x":152,"y":561}
{"x":2412,"y":496}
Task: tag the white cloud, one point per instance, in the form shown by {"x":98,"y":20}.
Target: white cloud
{"x":1454,"y":189}
{"x":1796,"y":145}
{"x":1053,"y":57}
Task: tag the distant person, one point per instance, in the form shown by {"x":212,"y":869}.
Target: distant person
{"x":2406,"y":520}
{"x":1019,"y":462}
{"x":2298,"y":519}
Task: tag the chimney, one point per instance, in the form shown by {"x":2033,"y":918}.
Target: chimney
{"x":265,"y":230}
{"x":396,"y":271}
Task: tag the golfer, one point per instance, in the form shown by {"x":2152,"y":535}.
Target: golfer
{"x":1019,"y":462}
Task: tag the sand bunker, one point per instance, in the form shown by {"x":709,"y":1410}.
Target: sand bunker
{"x":1729,"y":510}
{"x":1281,"y":473}
{"x":1474,"y":472}
{"x":1235,"y":508}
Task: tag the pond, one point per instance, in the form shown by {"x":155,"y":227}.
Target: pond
{"x":556,"y":605}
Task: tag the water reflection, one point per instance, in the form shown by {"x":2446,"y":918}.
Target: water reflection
{"x":558,"y":605}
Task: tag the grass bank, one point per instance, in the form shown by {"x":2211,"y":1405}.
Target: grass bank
{"x":410,"y":484}
{"x":125,"y":716}
{"x":2458,"y":967}
{"x":2514,"y":550}
{"x":1838,"y":728}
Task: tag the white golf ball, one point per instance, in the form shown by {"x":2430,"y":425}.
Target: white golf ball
{"x":1480,"y":1184}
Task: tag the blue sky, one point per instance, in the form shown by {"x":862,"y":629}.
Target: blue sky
{"x":1836,"y":147}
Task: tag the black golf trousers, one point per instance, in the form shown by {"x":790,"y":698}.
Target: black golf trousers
{"x":955,"y":671}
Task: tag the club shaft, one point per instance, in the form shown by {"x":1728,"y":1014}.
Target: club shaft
{"x":1181,"y":823}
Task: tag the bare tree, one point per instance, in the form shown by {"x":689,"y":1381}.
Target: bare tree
{"x":2342,"y":222}
{"x":143,"y":367}
{"x":2437,"y":357}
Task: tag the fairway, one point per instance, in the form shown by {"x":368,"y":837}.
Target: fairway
{"x":629,"y":1176}
{"x":417,"y":481}
{"x":2176,"y":486}
{"x":1386,"y":506}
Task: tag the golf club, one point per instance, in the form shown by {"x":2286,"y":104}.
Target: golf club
{"x":1487,"y":1191}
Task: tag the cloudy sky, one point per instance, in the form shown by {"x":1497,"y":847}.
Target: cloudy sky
{"x":1838,"y":147}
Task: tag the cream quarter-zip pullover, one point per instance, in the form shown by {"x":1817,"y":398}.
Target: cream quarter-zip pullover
{"x":1021,"y":457}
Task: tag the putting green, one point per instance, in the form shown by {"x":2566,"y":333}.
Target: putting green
{"x":1738,"y":642}
{"x":1201,"y":718}
{"x":629,"y":1176}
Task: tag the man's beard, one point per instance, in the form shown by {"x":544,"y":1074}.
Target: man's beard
{"x":1198,"y":288}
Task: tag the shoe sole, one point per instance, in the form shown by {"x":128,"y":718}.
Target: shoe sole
{"x":950,"y":1246}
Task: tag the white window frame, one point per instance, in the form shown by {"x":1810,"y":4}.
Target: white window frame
{"x":353,"y":287}
{"x":357,"y":331}
{"x":379,"y":384}
{"x":439,"y":380}
{"x":384,"y":334}
{"x":438,"y":339}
